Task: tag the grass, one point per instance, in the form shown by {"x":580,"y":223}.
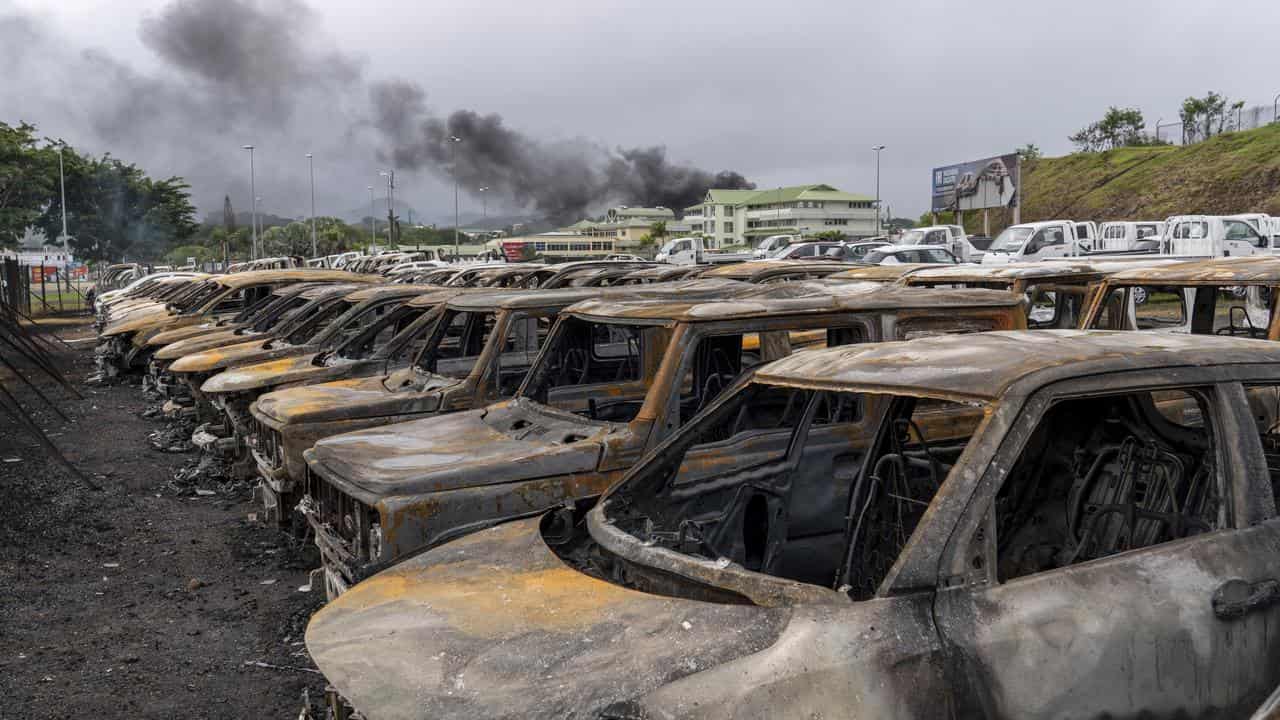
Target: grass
{"x":1232,"y":173}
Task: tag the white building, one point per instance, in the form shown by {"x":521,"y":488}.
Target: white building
{"x":34,"y":249}
{"x":744,"y":217}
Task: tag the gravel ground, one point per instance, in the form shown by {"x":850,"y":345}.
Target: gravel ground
{"x":144,"y":599}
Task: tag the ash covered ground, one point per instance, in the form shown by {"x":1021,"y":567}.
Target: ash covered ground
{"x":159,"y":596}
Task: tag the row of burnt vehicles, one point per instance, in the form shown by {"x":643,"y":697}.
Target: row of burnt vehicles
{"x":640,"y":499}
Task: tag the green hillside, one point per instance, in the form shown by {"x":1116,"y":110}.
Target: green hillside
{"x":1231,"y":173}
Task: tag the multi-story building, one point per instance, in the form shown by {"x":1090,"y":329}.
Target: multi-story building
{"x":744,"y":217}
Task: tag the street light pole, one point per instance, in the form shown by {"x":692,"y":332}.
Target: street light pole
{"x":484,"y":205}
{"x":62,"y":182}
{"x":311,"y":167}
{"x":390,"y":175}
{"x":373,"y":221}
{"x":878,"y":148}
{"x":454,"y":140}
{"x":253,"y":194}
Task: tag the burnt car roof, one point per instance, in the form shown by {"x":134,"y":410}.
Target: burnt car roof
{"x":1010,"y":272}
{"x":982,"y":366}
{"x":1232,"y":270}
{"x":316,"y":292}
{"x":434,"y":295}
{"x":514,"y":299}
{"x":800,"y":298}
{"x":385,"y":291}
{"x":764,"y":268}
{"x":662,"y":271}
{"x":881,"y":273}
{"x":255,"y":277}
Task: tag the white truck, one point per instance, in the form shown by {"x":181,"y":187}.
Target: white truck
{"x":949,"y":237}
{"x":1265,"y":225}
{"x":1212,"y":236}
{"x":1129,"y":235}
{"x":692,"y":251}
{"x":1029,"y":242}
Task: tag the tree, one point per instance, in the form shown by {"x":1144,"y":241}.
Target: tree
{"x":658,"y":229}
{"x":1119,"y":127}
{"x":829,"y":236}
{"x":28,"y":177}
{"x":1029,"y":152}
{"x":1198,"y":115}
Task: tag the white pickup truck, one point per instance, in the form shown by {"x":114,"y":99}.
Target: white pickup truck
{"x":1029,"y":242}
{"x":1212,"y":236}
{"x":1129,"y":235}
{"x":773,"y":244}
{"x":949,"y":237}
{"x":692,"y":251}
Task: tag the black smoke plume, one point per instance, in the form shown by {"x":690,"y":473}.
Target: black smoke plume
{"x":261,"y":72}
{"x":563,"y":180}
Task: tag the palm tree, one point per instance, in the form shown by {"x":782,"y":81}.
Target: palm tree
{"x":658,"y":229}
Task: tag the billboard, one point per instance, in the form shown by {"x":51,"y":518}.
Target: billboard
{"x":988,"y":183}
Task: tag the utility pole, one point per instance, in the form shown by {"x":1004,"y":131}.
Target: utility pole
{"x":253,"y":194}
{"x":311,"y":166}
{"x":878,"y":148}
{"x":454,"y":139}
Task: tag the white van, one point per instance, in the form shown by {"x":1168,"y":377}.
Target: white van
{"x":770,"y":246}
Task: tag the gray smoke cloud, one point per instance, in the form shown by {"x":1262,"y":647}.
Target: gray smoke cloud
{"x":564,"y":180}
{"x":251,"y":71}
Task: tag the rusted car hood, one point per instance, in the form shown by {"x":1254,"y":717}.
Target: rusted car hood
{"x":495,"y":625}
{"x":210,"y":325}
{"x":257,"y":375}
{"x":243,"y":353}
{"x":447,"y":452}
{"x":345,"y":400}
{"x":139,"y":321}
{"x":198,"y":342}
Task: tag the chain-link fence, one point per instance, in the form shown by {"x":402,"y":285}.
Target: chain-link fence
{"x":1244,"y":118}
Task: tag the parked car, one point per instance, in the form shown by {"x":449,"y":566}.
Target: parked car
{"x":907,"y":254}
{"x":1030,"y":242}
{"x":612,"y":380}
{"x":807,"y":250}
{"x":770,"y":246}
{"x":949,"y":237}
{"x":1080,"y":524}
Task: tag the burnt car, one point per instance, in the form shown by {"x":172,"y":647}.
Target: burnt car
{"x":123,"y":343}
{"x":1057,"y":292}
{"x":179,"y":372}
{"x":612,"y":381}
{"x":249,"y":374}
{"x":1223,"y":296}
{"x":662,"y":273}
{"x":1037,"y":524}
{"x":477,"y":352}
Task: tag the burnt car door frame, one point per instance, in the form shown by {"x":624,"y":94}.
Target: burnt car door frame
{"x":1131,"y":632}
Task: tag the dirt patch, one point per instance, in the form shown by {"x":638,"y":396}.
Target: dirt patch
{"x":140,"y":600}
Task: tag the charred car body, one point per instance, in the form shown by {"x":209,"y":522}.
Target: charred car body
{"x":252,"y":372}
{"x":123,"y":345}
{"x":1223,"y":296}
{"x":908,"y":530}
{"x":478,"y":352}
{"x":611,"y":382}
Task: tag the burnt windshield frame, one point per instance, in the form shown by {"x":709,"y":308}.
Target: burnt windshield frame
{"x":538,"y":381}
{"x":472,"y":341}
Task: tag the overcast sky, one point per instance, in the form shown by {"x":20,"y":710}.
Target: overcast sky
{"x":785,"y":93}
